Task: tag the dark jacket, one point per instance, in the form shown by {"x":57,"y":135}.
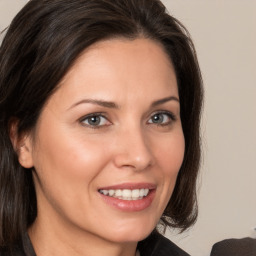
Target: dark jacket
{"x":158,"y":245}
{"x":154,"y":245}
{"x":235,"y":247}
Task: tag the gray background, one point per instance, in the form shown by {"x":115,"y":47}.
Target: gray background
{"x":224,"y":34}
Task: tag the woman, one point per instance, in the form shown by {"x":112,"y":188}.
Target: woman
{"x":100,"y":110}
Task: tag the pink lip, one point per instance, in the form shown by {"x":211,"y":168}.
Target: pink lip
{"x":130,"y":186}
{"x":130,"y":205}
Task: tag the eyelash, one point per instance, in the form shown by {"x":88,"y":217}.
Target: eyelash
{"x":170,"y":115}
{"x":101,"y":115}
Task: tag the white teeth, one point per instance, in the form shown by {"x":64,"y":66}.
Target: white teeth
{"x":135,"y":193}
{"x":105,"y":192}
{"x":118,"y":193}
{"x":126,"y":194}
{"x":111,"y":192}
{"x":146,"y":190}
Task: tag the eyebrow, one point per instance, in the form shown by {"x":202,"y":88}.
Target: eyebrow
{"x":103,"y":103}
{"x":164,"y":100}
{"x":110,"y":104}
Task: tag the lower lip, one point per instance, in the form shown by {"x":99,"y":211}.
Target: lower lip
{"x":130,"y":205}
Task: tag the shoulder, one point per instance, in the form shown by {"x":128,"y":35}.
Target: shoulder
{"x":235,"y":247}
{"x":158,"y":245}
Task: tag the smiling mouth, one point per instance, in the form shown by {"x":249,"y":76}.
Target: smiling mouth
{"x":126,"y":194}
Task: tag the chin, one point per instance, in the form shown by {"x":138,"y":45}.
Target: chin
{"x":130,"y":235}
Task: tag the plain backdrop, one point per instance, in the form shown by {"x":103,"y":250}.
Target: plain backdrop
{"x":224,"y":33}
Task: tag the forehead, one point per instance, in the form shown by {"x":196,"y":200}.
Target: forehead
{"x":121,"y":68}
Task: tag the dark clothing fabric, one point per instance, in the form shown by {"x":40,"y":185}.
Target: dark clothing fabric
{"x":235,"y":247}
{"x":154,"y":245}
{"x":158,"y":245}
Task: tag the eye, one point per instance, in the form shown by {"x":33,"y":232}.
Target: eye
{"x":162,"y":118}
{"x":95,"y":120}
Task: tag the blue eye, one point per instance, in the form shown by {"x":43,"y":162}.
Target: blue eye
{"x":94,"y":120}
{"x":161,"y":118}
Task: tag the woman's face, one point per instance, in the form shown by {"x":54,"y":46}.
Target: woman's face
{"x":109,"y":144}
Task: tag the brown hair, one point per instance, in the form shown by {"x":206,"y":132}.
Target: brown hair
{"x":41,"y":44}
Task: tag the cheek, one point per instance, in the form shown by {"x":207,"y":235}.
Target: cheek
{"x":61,"y":158}
{"x":170,"y":154}
{"x":67,"y":167}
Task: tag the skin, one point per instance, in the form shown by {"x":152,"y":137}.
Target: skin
{"x":73,"y":159}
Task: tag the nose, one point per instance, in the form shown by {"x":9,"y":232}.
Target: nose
{"x":133,"y":150}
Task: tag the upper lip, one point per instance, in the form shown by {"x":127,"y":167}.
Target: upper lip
{"x":130,"y":186}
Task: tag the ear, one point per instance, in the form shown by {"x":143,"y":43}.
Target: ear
{"x":22,"y":144}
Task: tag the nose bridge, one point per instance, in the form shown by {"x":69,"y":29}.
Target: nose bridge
{"x":133,"y":148}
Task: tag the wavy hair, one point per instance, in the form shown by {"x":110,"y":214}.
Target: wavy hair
{"x":41,"y":44}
